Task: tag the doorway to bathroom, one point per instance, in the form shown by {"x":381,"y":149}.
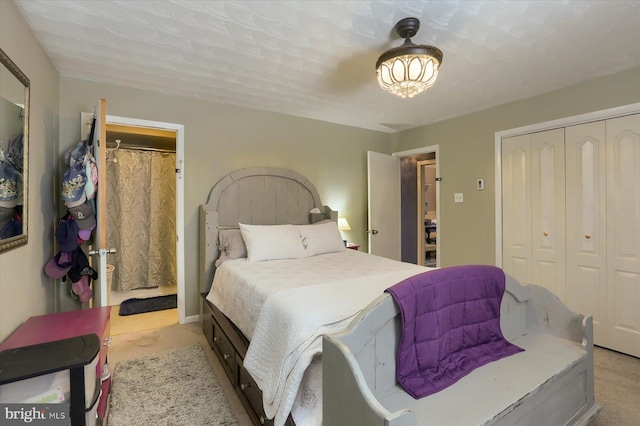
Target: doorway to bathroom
{"x":141,"y":219}
{"x":129,"y":137}
{"x":403,"y":191}
{"x":427,"y":208}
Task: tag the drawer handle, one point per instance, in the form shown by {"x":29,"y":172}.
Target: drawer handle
{"x":226,"y":356}
{"x":107,"y":341}
{"x":244,"y":386}
{"x":545,"y":234}
{"x":215,"y":339}
{"x":587,"y":236}
{"x":262,"y":419}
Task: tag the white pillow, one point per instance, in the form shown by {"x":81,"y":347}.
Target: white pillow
{"x":321,"y":238}
{"x":272,"y":242}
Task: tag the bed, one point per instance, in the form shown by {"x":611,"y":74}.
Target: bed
{"x":265,"y":319}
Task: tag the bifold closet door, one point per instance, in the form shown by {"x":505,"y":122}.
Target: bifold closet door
{"x":533,"y":185}
{"x":516,"y":207}
{"x":623,"y":234}
{"x":586,"y":205}
{"x":548,"y":211}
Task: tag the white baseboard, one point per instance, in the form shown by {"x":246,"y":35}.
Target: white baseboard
{"x":192,"y":318}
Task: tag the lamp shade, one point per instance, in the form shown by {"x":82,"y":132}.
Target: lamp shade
{"x":409,"y":69}
{"x":343,"y":225}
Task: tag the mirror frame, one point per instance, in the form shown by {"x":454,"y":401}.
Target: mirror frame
{"x":20,"y":240}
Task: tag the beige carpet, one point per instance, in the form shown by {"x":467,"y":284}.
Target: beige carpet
{"x":170,"y":388}
{"x":617,"y":376}
{"x":140,"y":343}
{"x":617,"y":388}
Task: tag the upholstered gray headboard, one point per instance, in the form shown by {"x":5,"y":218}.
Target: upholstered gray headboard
{"x":258,"y":196}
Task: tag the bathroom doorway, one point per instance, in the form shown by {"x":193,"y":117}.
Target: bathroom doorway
{"x":427,"y":208}
{"x":141,"y":219}
{"x":175,"y":132}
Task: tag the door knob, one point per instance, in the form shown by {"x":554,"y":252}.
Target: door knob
{"x":100,"y":251}
{"x":374,"y":231}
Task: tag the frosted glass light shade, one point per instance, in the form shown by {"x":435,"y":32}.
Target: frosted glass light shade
{"x":409,"y":69}
{"x":408,"y":75}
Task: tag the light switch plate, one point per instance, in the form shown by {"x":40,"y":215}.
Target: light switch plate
{"x":480,"y":184}
{"x":457,"y":197}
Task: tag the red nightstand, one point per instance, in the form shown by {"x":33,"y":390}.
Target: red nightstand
{"x":353,"y":246}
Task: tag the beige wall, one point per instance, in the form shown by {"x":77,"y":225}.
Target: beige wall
{"x":221,"y":138}
{"x":467,"y":230}
{"x":24,"y":289}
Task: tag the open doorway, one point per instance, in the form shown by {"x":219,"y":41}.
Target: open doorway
{"x":427,"y":207}
{"x":142,"y":212}
{"x":148,"y":135}
{"x":419,"y":206}
{"x":396,"y":223}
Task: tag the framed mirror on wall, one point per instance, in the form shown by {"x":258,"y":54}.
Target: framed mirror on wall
{"x":14,"y":154}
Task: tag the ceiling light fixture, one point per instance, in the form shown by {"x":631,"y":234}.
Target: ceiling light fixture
{"x":411,"y":68}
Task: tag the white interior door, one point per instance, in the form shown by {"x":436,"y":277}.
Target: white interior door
{"x":98,"y":249}
{"x":586,"y":224}
{"x":623,"y":234}
{"x":384,"y":205}
{"x":548,"y":211}
{"x":516,"y":207}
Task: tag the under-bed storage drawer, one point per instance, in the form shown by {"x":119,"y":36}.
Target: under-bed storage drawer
{"x":249,"y":389}
{"x":224,"y":350}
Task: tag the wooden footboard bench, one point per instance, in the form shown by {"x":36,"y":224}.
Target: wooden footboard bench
{"x":550,"y":383}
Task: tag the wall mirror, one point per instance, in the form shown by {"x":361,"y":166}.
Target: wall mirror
{"x":14,"y":154}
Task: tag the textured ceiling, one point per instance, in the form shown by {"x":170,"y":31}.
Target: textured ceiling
{"x":316,"y":59}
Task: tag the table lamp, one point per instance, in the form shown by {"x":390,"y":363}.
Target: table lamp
{"x":343,"y":225}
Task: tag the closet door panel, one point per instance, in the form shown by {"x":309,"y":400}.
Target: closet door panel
{"x":586,"y":223}
{"x":548,"y":211}
{"x":623,"y":234}
{"x":516,"y":207}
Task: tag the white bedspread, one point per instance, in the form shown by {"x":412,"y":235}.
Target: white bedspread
{"x":290,"y":328}
{"x":240,"y":287}
{"x":285,"y":306}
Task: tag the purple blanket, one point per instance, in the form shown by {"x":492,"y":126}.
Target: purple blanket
{"x":450,"y":326}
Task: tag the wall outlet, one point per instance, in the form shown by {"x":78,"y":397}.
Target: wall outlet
{"x":457,"y":197}
{"x":480,"y":184}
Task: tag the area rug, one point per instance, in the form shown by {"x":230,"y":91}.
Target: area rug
{"x":149,"y":304}
{"x":173,"y":388}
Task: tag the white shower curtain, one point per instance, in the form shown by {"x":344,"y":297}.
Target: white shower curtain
{"x":141,"y":218}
